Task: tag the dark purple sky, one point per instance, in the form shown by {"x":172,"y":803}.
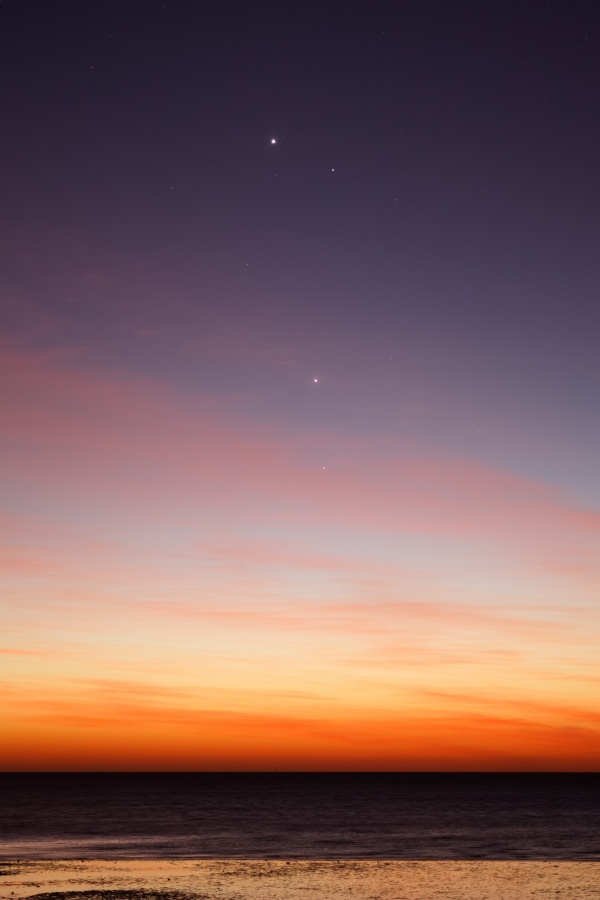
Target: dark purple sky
{"x":458,"y":230}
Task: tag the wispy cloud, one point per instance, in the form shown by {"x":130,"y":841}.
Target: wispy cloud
{"x":111,"y":429}
{"x":162,"y":527}
{"x":368,"y":737}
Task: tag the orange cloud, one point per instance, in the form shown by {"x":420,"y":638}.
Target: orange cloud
{"x":191,"y":735}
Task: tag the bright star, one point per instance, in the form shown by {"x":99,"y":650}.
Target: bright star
{"x":273,"y":140}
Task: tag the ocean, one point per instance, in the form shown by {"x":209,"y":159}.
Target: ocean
{"x":300,"y":816}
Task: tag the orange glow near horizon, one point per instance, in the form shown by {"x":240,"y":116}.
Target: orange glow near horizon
{"x":187,"y":589}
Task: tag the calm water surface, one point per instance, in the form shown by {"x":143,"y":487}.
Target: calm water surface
{"x":306,"y":816}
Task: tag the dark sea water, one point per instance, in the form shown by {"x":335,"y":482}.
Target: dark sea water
{"x":307,"y":816}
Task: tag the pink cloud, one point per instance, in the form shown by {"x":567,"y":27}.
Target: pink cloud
{"x":138,"y":439}
{"x":250,"y":553}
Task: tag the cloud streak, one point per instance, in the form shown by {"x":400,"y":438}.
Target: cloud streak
{"x":113,"y":426}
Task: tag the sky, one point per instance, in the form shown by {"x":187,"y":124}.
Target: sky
{"x":300,"y":377}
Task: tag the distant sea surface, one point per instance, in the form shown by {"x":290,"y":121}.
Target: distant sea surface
{"x":301,"y":816}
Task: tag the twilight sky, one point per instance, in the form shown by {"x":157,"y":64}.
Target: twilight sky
{"x":300,"y":375}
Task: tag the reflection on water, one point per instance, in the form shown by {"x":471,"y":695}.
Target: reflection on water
{"x":300,"y":816}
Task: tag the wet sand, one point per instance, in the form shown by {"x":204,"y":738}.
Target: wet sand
{"x":178,"y":879}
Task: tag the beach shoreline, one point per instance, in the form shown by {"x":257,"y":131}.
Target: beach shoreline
{"x":235,"y":879}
